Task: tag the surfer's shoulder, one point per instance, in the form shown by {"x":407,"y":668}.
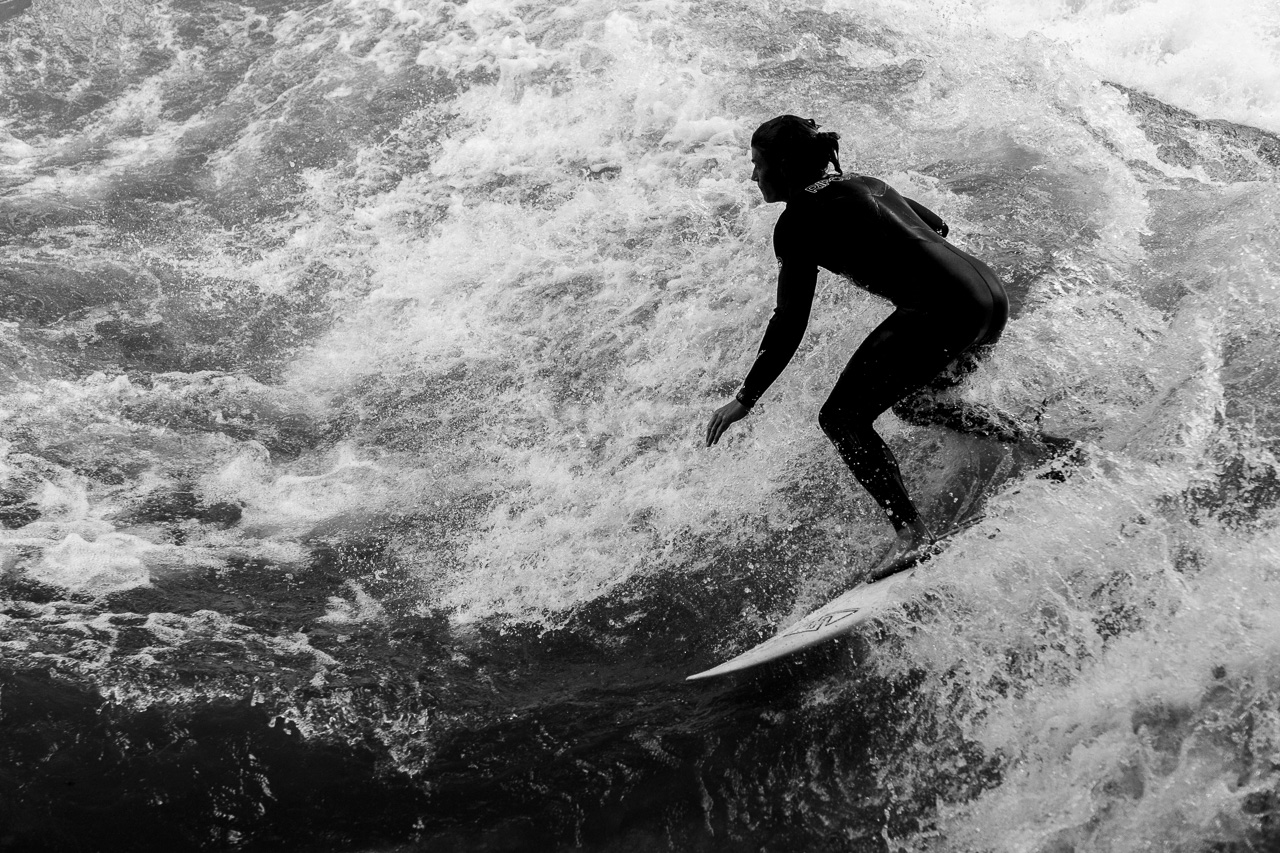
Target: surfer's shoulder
{"x":871,"y":186}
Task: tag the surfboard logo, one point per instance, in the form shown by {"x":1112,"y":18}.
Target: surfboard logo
{"x":827,"y":619}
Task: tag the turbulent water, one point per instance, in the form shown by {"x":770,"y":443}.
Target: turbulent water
{"x":354,"y":362}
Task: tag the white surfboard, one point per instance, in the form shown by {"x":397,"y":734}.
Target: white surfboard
{"x":840,"y":616}
{"x":837,"y":617}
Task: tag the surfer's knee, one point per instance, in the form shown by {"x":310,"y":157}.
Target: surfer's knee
{"x":834,"y":420}
{"x":847,"y":429}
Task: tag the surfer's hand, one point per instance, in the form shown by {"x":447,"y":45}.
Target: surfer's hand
{"x":725,"y":415}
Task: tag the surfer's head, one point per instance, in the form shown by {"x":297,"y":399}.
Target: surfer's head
{"x":789,"y":153}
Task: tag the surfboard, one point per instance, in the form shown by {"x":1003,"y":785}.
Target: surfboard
{"x":836,"y":618}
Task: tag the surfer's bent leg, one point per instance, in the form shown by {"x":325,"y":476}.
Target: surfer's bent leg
{"x":931,"y":405}
{"x":903,"y":353}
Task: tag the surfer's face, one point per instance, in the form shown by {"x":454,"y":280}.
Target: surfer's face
{"x":768,"y":177}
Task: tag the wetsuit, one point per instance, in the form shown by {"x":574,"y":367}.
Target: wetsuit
{"x":948,"y":305}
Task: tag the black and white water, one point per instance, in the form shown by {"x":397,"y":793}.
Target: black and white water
{"x":354,"y":362}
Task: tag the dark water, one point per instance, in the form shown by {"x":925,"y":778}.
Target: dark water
{"x":353,"y":362}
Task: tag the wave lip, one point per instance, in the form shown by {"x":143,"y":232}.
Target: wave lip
{"x":355,"y":356}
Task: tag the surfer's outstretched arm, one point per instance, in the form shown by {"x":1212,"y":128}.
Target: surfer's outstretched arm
{"x":796,"y":283}
{"x":930,"y":218}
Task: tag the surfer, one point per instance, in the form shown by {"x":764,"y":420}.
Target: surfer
{"x":949,"y":308}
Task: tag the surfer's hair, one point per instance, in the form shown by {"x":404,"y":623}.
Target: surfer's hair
{"x":798,"y":147}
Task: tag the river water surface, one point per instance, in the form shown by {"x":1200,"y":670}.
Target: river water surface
{"x":354,"y":361}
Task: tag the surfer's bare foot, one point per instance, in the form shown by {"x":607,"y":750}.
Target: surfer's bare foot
{"x":912,"y":544}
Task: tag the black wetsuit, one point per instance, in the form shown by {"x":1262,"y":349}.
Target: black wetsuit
{"x":948,"y":304}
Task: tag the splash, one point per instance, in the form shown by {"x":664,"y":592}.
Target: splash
{"x":352,"y":350}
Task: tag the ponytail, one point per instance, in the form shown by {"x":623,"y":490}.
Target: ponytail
{"x":831,"y":141}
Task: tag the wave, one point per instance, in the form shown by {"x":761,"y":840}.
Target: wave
{"x":355,"y":358}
